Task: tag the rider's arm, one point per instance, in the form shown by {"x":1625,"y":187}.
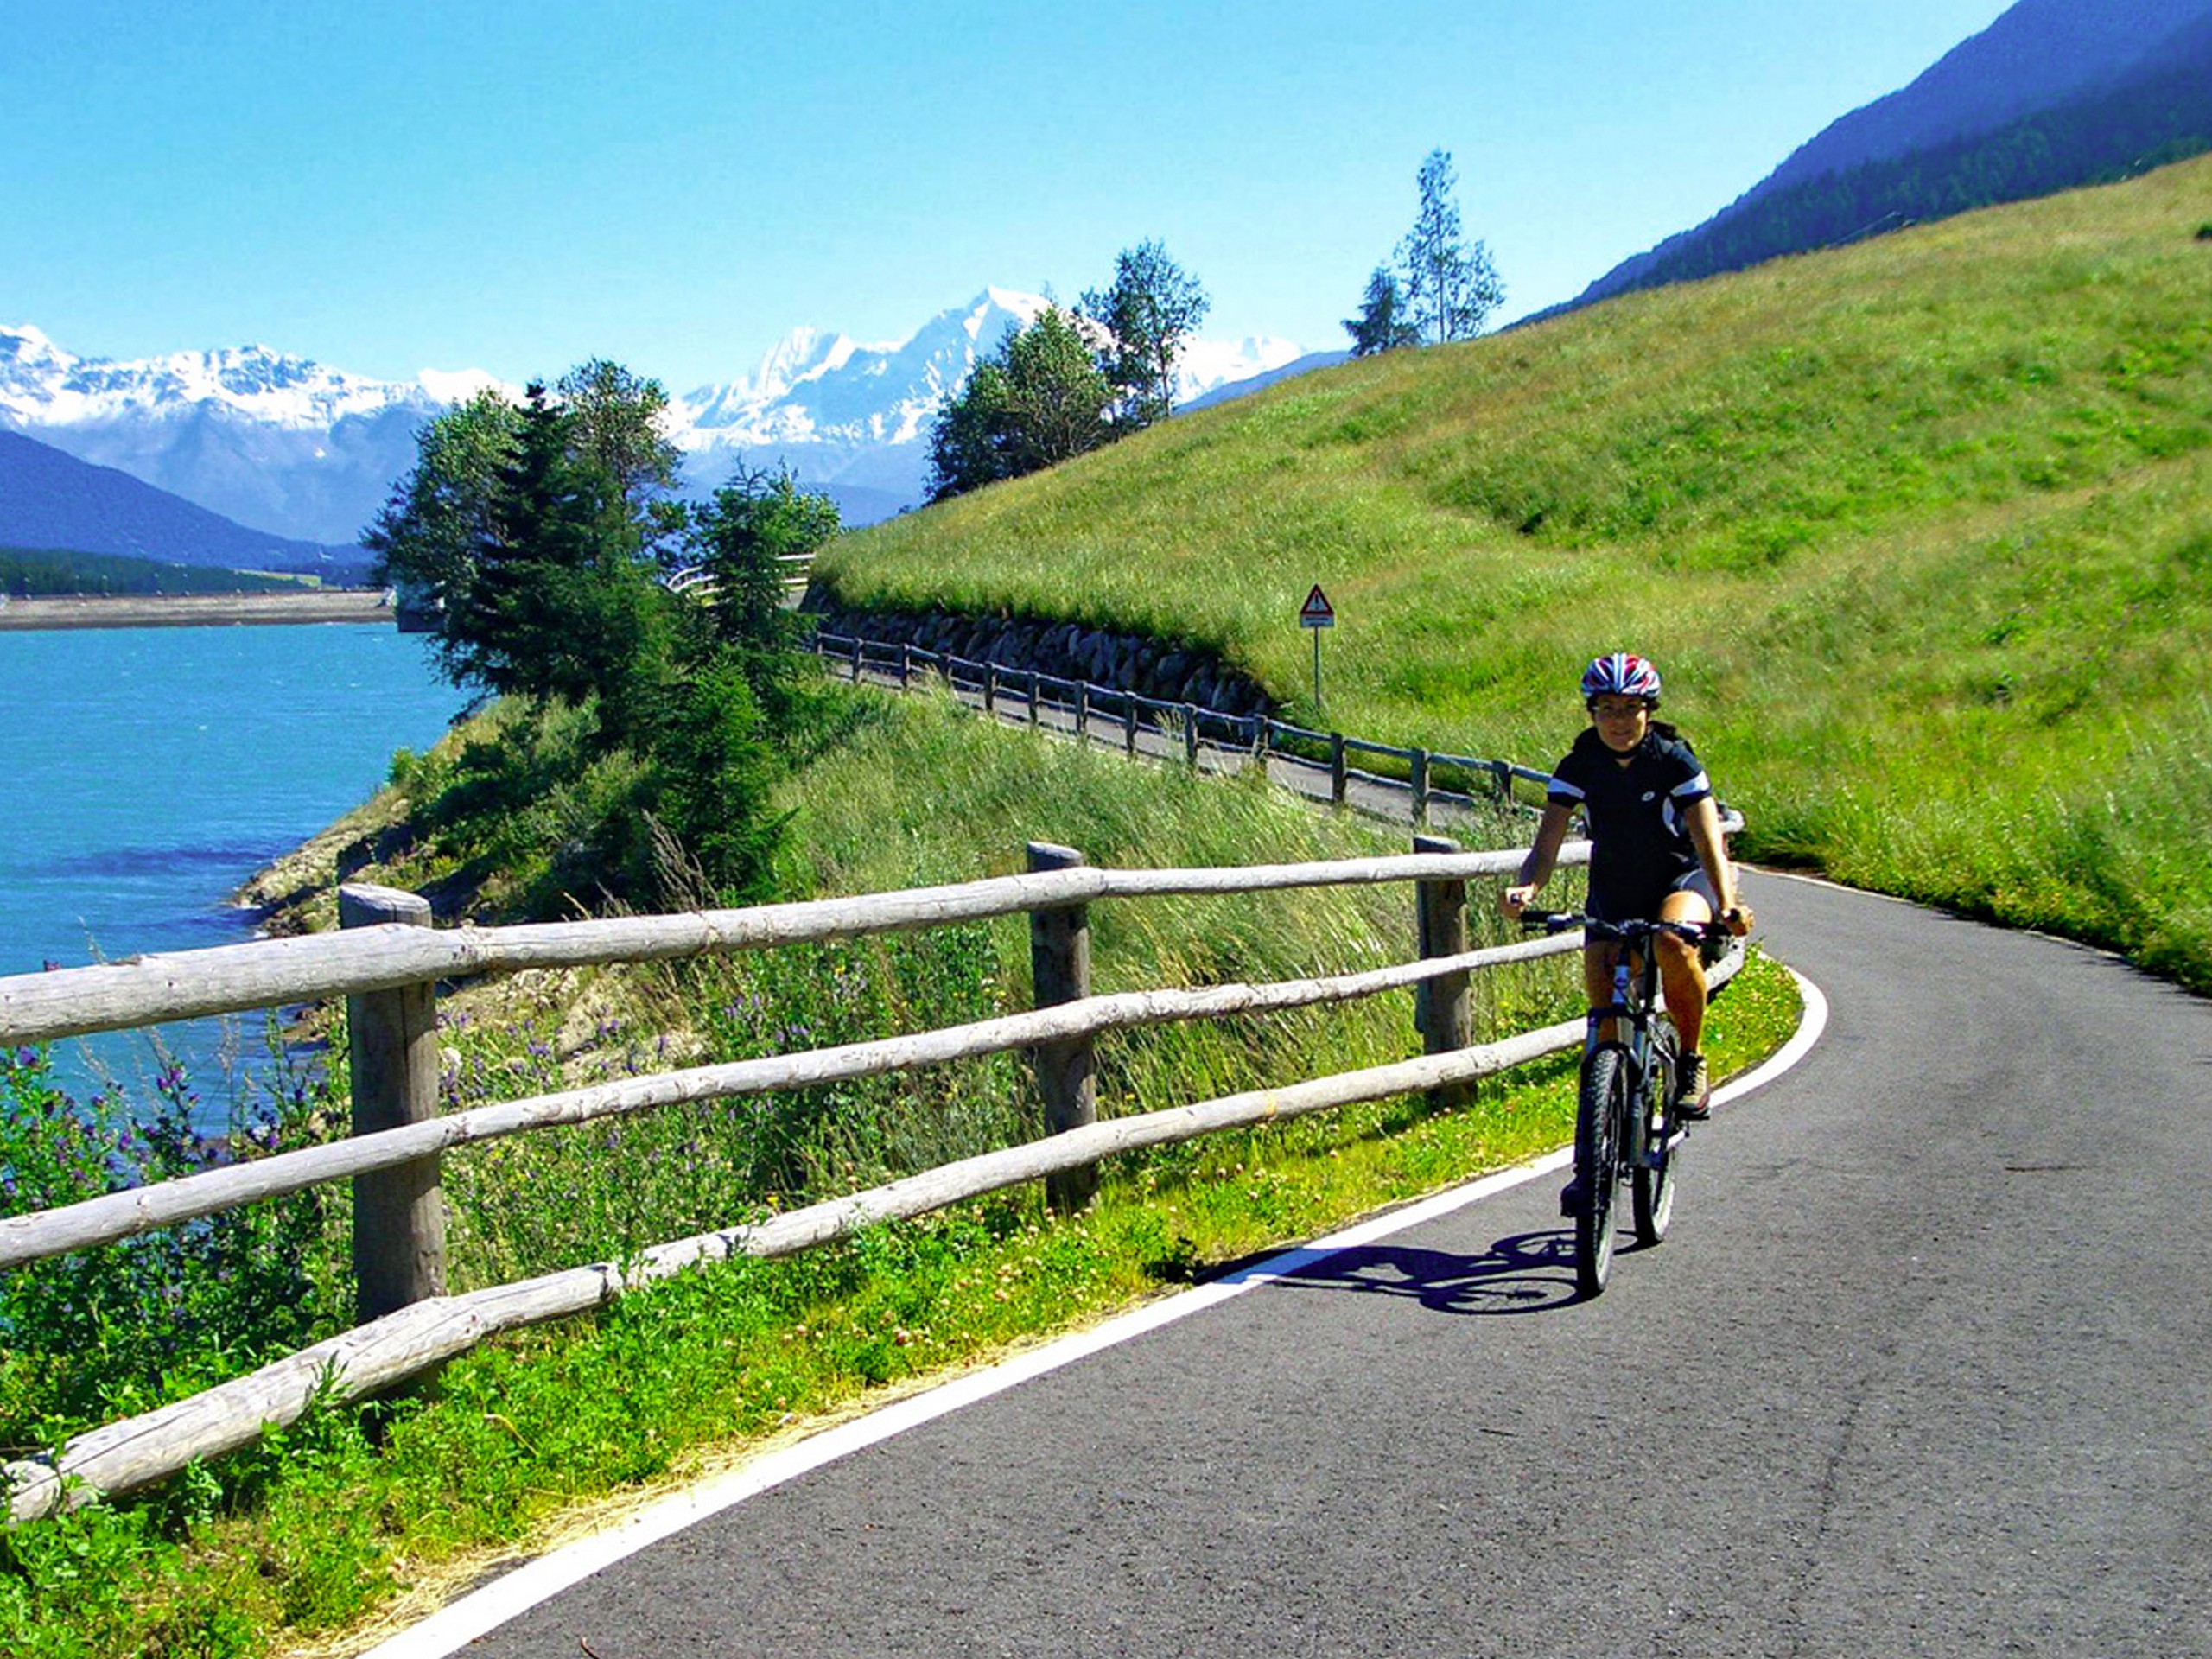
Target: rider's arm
{"x":1702,"y":820}
{"x":1544,"y":853}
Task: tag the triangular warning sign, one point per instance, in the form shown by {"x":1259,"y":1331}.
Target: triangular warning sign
{"x":1316,"y":612}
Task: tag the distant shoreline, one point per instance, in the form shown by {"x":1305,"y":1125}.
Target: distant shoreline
{"x":196,"y":610}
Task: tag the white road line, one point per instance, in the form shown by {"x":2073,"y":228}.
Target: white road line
{"x":452,"y":1627}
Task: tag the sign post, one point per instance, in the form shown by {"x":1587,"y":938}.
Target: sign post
{"x":1317,"y":614}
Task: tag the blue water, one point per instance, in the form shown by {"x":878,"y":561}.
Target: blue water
{"x":148,"y":772}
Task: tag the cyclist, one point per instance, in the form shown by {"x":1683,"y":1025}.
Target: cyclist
{"x":1655,"y":846}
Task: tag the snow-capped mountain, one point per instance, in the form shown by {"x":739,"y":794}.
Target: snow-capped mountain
{"x":858,"y":417}
{"x":299,"y":450}
{"x":274,"y":441}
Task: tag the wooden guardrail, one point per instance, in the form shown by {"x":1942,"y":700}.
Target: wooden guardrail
{"x":387,"y":961}
{"x":1091,"y":708}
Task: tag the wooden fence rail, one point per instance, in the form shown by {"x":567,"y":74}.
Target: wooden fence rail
{"x":388,"y":963}
{"x":1259,"y":736}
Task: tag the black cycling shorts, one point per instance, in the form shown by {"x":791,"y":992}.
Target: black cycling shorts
{"x":1642,"y":905}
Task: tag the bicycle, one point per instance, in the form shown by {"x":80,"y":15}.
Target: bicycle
{"x":1625,"y":1121}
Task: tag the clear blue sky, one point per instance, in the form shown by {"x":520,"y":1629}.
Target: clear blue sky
{"x":387,"y":186}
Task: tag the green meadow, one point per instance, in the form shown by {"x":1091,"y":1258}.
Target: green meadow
{"x":1919,"y":530}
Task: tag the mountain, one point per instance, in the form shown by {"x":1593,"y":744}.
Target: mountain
{"x":857,"y":417}
{"x":277,"y":443}
{"x":50,"y":500}
{"x":309,"y":452}
{"x":2053,"y":94}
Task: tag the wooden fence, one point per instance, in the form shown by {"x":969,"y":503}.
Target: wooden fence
{"x":387,"y":961}
{"x":1094,"y":711}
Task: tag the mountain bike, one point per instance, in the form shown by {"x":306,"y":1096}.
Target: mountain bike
{"x":1625,"y":1125}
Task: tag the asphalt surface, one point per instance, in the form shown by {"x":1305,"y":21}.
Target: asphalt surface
{"x":1925,"y":1368}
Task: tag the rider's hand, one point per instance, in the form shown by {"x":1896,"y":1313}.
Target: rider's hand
{"x":1514,"y":900}
{"x":1738,"y":919}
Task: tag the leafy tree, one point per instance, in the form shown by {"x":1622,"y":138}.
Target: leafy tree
{"x":1149,"y":313}
{"x":424,"y":535}
{"x":561,"y":600}
{"x":1039,"y":399}
{"x":971,"y":433}
{"x":615,"y":422}
{"x":754,"y":523}
{"x":1450,"y":287}
{"x":528,"y":532}
{"x":1382,"y":324}
{"x":1055,"y":391}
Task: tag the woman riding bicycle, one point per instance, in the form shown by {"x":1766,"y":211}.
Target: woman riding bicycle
{"x":1656,"y":848}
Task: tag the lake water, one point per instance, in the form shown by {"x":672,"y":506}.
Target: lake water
{"x":148,"y":772}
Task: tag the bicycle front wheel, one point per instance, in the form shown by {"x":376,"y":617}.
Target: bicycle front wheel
{"x":1654,"y":1183}
{"x":1598,"y":1119}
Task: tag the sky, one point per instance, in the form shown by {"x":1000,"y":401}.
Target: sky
{"x":387,"y":187}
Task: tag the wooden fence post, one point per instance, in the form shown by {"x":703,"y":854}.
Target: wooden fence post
{"x":905,"y":664}
{"x":1420,"y":787}
{"x":1083,"y":709}
{"x":1059,"y":966}
{"x":1036,"y":693}
{"x":1336,"y":767}
{"x":1191,"y":734}
{"x":990,"y":688}
{"x":1130,"y":722}
{"x":1441,"y":1011}
{"x":856,"y":659}
{"x":399,"y":1215}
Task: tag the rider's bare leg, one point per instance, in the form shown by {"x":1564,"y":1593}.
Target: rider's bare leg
{"x":1681,"y":974}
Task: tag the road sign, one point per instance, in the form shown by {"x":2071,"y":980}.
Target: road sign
{"x":1316,"y":612}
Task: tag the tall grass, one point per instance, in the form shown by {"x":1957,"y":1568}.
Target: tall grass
{"x":1920,"y":531}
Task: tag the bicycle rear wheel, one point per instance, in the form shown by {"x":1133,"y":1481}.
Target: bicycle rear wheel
{"x":1653,"y":1183}
{"x":1599,"y":1118}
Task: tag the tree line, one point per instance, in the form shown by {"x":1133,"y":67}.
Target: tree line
{"x":1075,"y":380}
{"x":1071,"y":380}
{"x":1436,"y":286}
{"x":539,"y":539}
{"x":2148,"y":121}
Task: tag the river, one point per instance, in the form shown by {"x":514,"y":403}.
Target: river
{"x":148,"y":772}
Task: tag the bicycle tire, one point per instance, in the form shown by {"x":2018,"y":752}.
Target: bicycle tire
{"x":1654,"y":1183}
{"x":1598,"y":1117}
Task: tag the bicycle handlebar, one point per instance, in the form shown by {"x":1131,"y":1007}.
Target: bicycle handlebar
{"x":1630,"y":933}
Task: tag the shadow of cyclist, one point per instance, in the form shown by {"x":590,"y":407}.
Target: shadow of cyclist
{"x":1527,"y":1273}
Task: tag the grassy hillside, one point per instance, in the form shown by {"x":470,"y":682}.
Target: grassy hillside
{"x":1920,"y":531}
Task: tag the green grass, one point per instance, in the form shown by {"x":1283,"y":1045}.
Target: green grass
{"x":291,"y":1547}
{"x":1920,"y":531}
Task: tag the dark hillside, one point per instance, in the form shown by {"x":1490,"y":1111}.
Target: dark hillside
{"x":2039,"y":55}
{"x":50,"y":500}
{"x":2159,"y":114}
{"x":2053,"y":95}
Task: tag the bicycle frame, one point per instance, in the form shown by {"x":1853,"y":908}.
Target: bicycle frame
{"x":1636,"y":998}
{"x":1626,"y":1130}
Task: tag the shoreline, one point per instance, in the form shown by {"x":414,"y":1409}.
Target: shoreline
{"x":197,"y":610}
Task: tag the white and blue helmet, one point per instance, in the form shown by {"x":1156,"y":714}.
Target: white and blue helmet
{"x":1621,"y":675}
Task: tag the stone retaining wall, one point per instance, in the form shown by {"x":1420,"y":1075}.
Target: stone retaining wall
{"x":1064,"y":650}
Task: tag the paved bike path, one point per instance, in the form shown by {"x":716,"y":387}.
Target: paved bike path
{"x":1922,"y":1370}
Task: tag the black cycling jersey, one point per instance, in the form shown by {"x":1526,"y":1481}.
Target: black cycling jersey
{"x":1640,"y":844}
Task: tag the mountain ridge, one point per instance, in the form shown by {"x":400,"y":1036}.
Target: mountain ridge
{"x":2046,"y":62}
{"x":49,"y":499}
{"x":303,"y":451}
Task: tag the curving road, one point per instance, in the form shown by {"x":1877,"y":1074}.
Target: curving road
{"x":1925,"y":1369}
